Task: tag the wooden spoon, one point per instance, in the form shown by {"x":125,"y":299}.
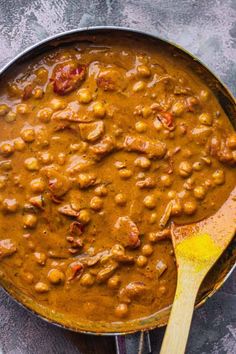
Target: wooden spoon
{"x":197,"y":248}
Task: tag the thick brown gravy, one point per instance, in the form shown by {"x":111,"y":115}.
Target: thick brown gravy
{"x":100,"y":148}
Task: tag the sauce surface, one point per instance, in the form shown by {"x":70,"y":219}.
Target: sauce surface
{"x":101,"y":146}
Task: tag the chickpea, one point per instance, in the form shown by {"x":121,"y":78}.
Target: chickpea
{"x":57,"y":104}
{"x":198,"y":166}
{"x":125,"y":173}
{"x":101,"y":191}
{"x":185,"y":169}
{"x":120,"y":199}
{"x":178,"y":108}
{"x":199,"y":192}
{"x":28,"y":277}
{"x":19,"y":144}
{"x":61,"y":158}
{"x":87,"y":280}
{"x":219,"y":177}
{"x":37,"y":185}
{"x":117,"y":250}
{"x":46,"y":158}
{"x":176,"y":207}
{"x":6,"y":165}
{"x":153,"y":218}
{"x":204,"y":96}
{"x":141,"y":261}
{"x":171,"y":194}
{"x":144,"y":71}
{"x":30,"y":221}
{"x":150,"y":201}
{"x":6,"y":149}
{"x":121,"y":310}
{"x":146,"y":112}
{"x":22,"y":108}
{"x":44,"y":115}
{"x":142,"y":162}
{"x":231,"y":141}
{"x":99,"y":109}
{"x":41,"y":287}
{"x":38,"y":93}
{"x":4,"y":109}
{"x":114,"y":282}
{"x":42,"y":76}
{"x":96,"y":203}
{"x":141,"y":127}
{"x":40,"y":258}
{"x":138,"y":86}
{"x":56,"y":276}
{"x":10,"y":205}
{"x":166,"y":180}
{"x":10,"y":117}
{"x":28,"y":135}
{"x":190,"y":207}
{"x":206,"y":119}
{"x":84,"y":216}
{"x":3,"y":181}
{"x":147,"y":250}
{"x":157,"y":124}
{"x":31,"y":164}
{"x":84,"y":96}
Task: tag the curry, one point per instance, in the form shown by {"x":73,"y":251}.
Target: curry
{"x":102,"y":146}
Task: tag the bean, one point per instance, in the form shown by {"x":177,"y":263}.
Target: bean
{"x":141,"y":261}
{"x":41,"y":287}
{"x":30,"y":221}
{"x":198,"y":166}
{"x":101,"y":191}
{"x":28,"y":135}
{"x":87,"y":280}
{"x":144,"y":71}
{"x":120,"y":199}
{"x":178,"y":108}
{"x":40,"y":258}
{"x":150,"y":201}
{"x":166,"y":180}
{"x":84,"y":216}
{"x":38,"y":93}
{"x":44,"y":115}
{"x":146,"y":112}
{"x":147,"y":250}
{"x":185,"y":169}
{"x":117,"y":250}
{"x":10,"y":117}
{"x":84,"y":96}
{"x":37,"y":185}
{"x":4,"y":109}
{"x":125,"y":173}
{"x":6,"y":149}
{"x":96,"y":203}
{"x":42,"y":76}
{"x":190,"y":207}
{"x":56,"y":276}
{"x":121,"y":310}
{"x":231,"y":141}
{"x":114,"y":282}
{"x":171,"y":194}
{"x":99,"y":109}
{"x":22,"y":108}
{"x":10,"y":205}
{"x":28,"y":277}
{"x":57,"y":103}
{"x":204,"y":95}
{"x":199,"y":192}
{"x":61,"y":158}
{"x":141,"y":127}
{"x":219,"y":177}
{"x":176,"y":208}
{"x":46,"y":157}
{"x":157,"y":124}
{"x":142,"y":162}
{"x":31,"y":164}
{"x":153,"y":218}
{"x":138,"y":86}
{"x":19,"y":144}
{"x":206,"y":119}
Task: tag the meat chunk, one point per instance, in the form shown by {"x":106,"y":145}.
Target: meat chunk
{"x":58,"y":184}
{"x":68,"y":211}
{"x":67,"y":77}
{"x":78,"y":163}
{"x":217,"y":147}
{"x":154,"y":149}
{"x":111,"y":79}
{"x":104,"y":147}
{"x":127,"y":232}
{"x":7,"y":248}
{"x":148,"y":183}
{"x":91,"y":131}
{"x":138,"y":291}
{"x":74,"y":270}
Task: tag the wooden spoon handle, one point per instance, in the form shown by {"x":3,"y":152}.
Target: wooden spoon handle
{"x":178,"y":327}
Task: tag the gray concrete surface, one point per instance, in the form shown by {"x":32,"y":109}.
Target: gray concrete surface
{"x":207,"y":28}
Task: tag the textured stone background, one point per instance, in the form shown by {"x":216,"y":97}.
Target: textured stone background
{"x":207,"y":28}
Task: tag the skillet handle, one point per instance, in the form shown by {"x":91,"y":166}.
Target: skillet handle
{"x":144,"y":345}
